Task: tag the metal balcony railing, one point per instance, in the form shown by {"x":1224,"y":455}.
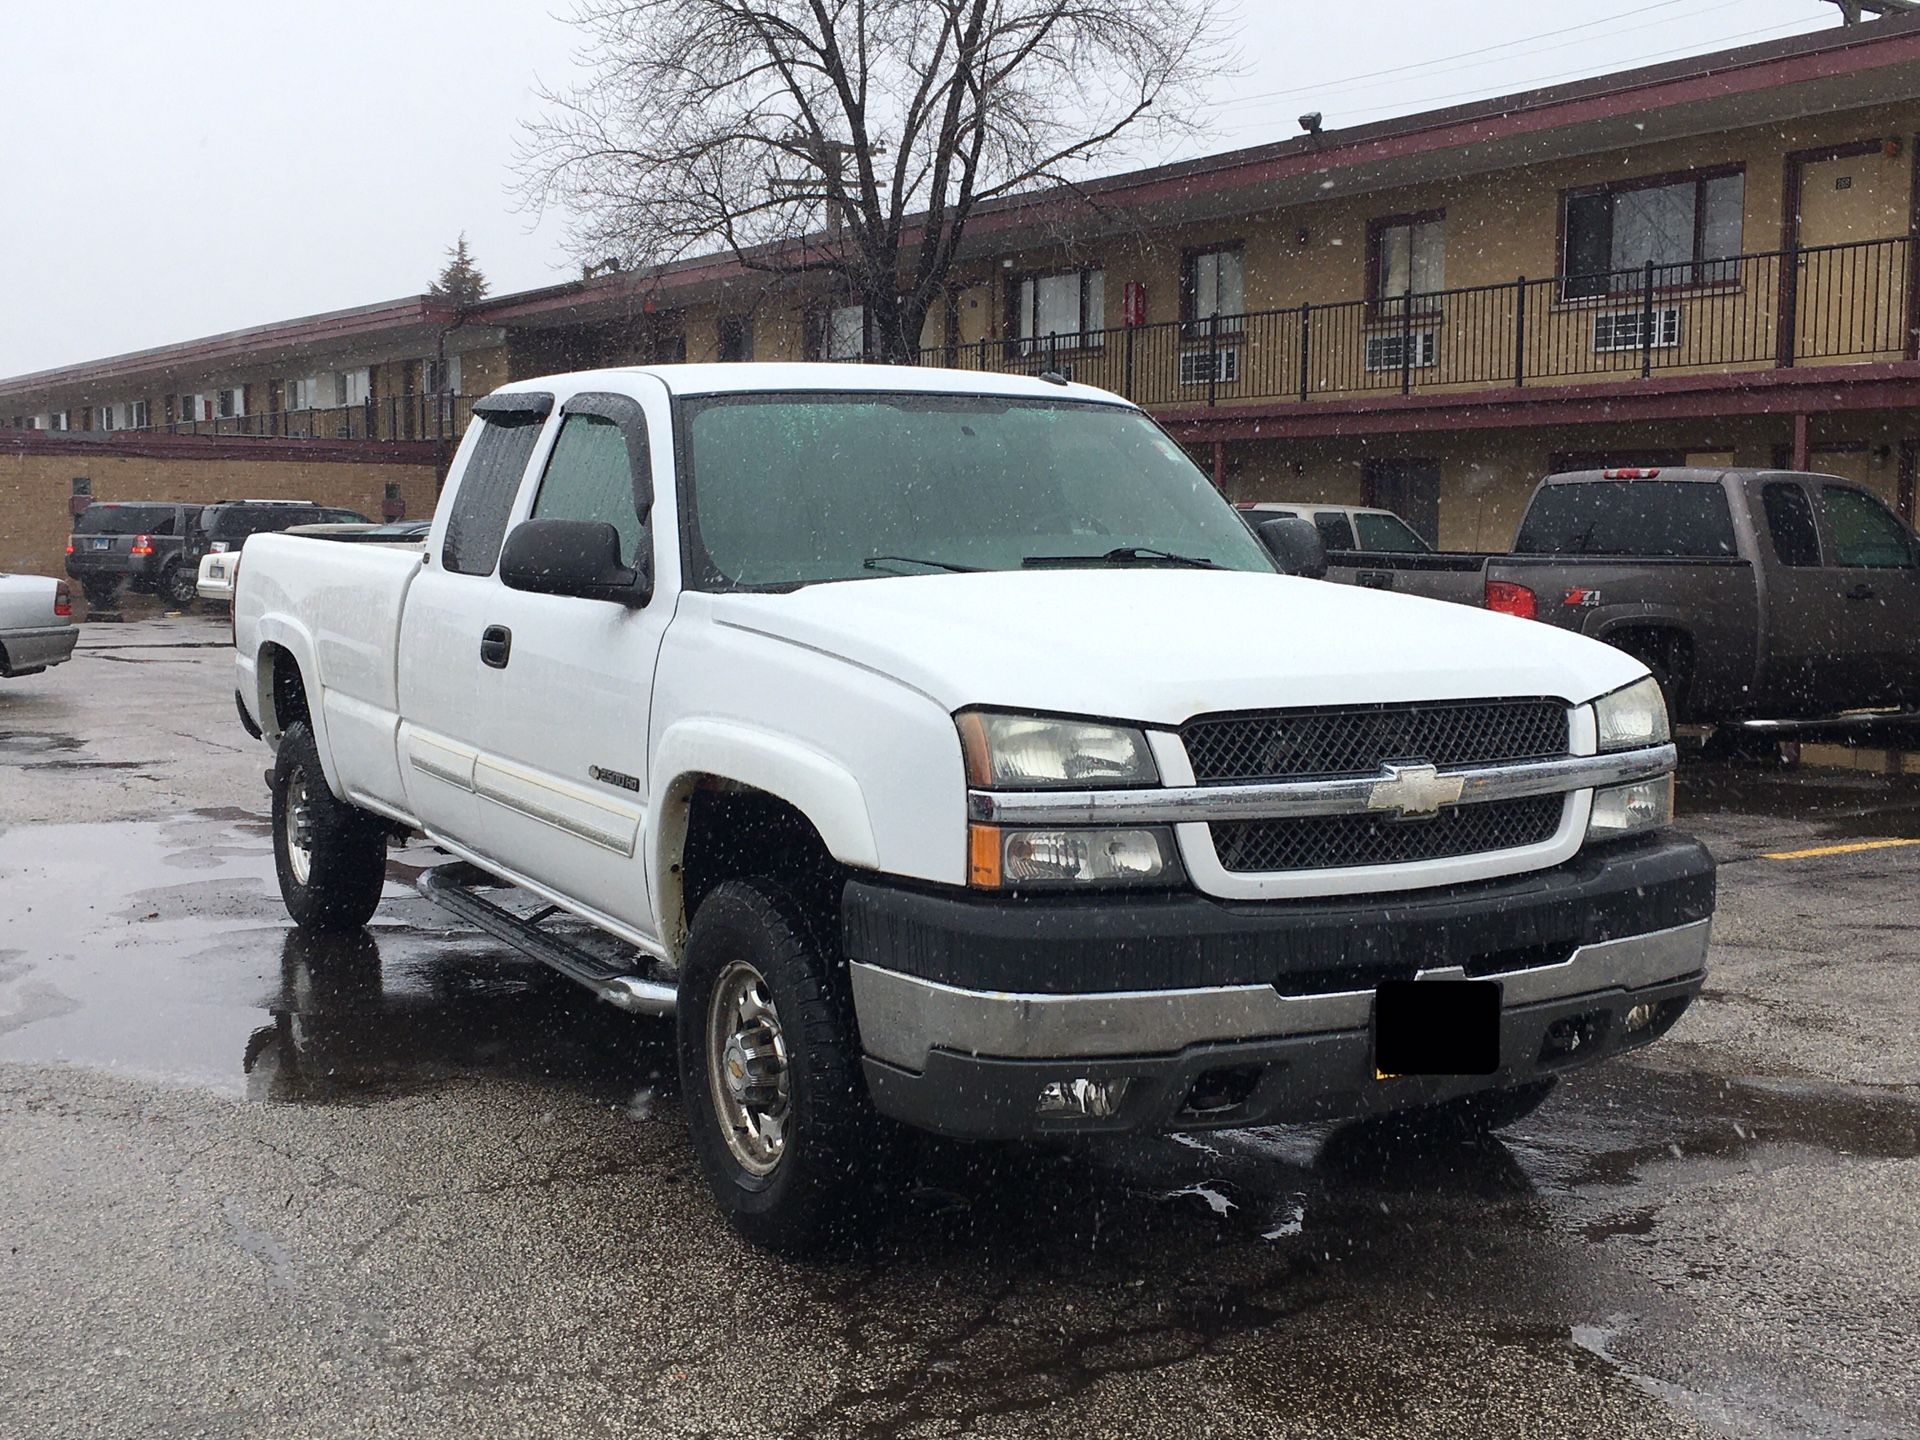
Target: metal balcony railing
{"x":390,"y":417}
{"x":1817,"y":305}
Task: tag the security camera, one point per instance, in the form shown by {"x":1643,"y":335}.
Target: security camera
{"x":1311,"y":123}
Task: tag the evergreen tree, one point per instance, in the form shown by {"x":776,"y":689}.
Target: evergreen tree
{"x":460,"y":282}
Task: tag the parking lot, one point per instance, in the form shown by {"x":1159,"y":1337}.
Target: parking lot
{"x":438,"y":1193}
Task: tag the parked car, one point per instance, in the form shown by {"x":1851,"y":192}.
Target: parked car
{"x":896,"y":729}
{"x":223,"y":528}
{"x":138,"y":543}
{"x":1750,"y":594}
{"x":36,"y":624}
{"x":1354,"y":528}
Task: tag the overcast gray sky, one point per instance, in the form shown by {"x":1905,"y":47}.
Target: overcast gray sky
{"x":178,"y":170}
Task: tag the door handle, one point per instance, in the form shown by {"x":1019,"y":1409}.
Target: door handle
{"x":496,"y":645}
{"x":1860,"y":592}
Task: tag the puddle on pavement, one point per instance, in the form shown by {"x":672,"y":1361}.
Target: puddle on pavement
{"x":160,"y":950}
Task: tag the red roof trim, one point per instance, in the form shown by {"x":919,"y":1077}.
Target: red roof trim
{"x":81,"y":448}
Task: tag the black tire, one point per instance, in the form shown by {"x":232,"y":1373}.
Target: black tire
{"x":100,"y":594}
{"x":833,"y":1148}
{"x":180,"y":586}
{"x":1468,"y":1117}
{"x":333,"y":881}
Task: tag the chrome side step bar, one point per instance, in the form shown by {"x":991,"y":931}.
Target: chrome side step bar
{"x":452,"y":887}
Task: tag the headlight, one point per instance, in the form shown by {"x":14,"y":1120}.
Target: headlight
{"x":1633,"y":717}
{"x":1003,"y":859}
{"x":1629,"y":809}
{"x":1030,"y":752}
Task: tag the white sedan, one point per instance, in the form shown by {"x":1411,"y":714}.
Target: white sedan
{"x":36,"y":624}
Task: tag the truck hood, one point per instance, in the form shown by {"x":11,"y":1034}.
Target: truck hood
{"x":1160,"y":646}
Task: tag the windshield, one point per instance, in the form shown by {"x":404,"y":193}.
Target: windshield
{"x":1387,"y":534}
{"x":793,"y":489}
{"x":1628,"y":517}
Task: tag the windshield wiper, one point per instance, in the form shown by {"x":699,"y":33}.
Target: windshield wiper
{"x":1125,"y":554}
{"x":875,"y":562}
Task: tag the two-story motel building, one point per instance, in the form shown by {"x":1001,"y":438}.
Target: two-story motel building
{"x":1711,"y":260}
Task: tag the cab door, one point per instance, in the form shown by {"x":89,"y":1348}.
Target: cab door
{"x":564,"y":698}
{"x":445,"y":616}
{"x":1874,"y":552}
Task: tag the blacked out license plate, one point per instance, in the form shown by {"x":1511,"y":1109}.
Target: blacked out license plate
{"x":1436,"y":1027}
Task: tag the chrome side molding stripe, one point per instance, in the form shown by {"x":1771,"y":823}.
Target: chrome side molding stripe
{"x":1288,"y":799}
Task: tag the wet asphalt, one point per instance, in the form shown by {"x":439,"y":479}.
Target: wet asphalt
{"x":406,"y":1185}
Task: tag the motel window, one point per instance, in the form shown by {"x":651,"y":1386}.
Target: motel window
{"x":229,"y":404}
{"x":734,"y":338}
{"x":299,"y":395}
{"x":58,"y":420}
{"x":109,"y":415}
{"x":137,"y":415}
{"x":1687,"y":229}
{"x":352,"y":387}
{"x":1067,"y":306}
{"x":1406,"y":254}
{"x":1210,"y":285}
{"x":837,"y":332}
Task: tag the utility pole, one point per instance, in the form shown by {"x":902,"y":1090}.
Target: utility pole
{"x":1852,"y":12}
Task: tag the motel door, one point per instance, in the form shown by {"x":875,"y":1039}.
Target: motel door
{"x":1852,"y":302}
{"x":1409,"y":488}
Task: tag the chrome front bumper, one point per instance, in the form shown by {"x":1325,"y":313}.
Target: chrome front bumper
{"x":903,"y":1018}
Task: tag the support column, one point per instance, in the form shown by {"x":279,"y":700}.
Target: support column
{"x":1802,"y":442}
{"x":1909,"y":465}
{"x":1220,"y":466}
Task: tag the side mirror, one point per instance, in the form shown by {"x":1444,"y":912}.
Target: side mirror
{"x":572,"y":557}
{"x":1295,"y":545}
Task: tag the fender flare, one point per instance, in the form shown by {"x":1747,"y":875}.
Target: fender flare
{"x":294,"y":638}
{"x":813,"y":782}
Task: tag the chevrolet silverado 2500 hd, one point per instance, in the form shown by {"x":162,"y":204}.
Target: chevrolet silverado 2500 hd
{"x":895,"y":729}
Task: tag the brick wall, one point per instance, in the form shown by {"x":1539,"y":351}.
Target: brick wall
{"x":37,"y":474}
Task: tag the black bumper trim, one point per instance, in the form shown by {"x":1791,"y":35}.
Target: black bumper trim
{"x":1089,"y":944}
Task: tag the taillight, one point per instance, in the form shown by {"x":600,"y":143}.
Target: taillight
{"x":69,"y":544}
{"x":63,"y":599}
{"x":142,"y":545}
{"x":1506,"y":598}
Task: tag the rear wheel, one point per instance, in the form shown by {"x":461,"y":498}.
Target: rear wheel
{"x":180,"y":586}
{"x":778,"y":1110}
{"x":330,"y":857}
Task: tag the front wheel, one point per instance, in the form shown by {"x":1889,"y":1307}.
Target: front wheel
{"x":330,"y":857}
{"x":769,"y":1068}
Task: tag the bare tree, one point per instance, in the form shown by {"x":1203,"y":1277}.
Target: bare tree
{"x":851,"y":137}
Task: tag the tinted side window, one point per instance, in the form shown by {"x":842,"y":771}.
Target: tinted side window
{"x":479,"y":520}
{"x":590,"y":477}
{"x":1864,"y":532}
{"x":1388,"y":534}
{"x":1796,"y":539}
{"x":1628,"y":517}
{"x":1335,"y":532}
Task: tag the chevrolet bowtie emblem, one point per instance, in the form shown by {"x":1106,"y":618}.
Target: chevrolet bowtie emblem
{"x":1414,"y":790}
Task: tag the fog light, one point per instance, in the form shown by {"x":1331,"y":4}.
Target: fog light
{"x":1638,"y":1018}
{"x":1095,"y":1099}
{"x":1631,"y":809}
{"x":1087,"y":856}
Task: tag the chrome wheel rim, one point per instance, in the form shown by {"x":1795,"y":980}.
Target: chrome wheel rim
{"x":299,"y":825}
{"x":747,"y":1068}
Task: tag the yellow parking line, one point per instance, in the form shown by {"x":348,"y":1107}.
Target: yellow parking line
{"x":1853,"y":849}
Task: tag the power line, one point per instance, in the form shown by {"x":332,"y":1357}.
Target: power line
{"x":1449,"y":59}
{"x":1480,"y":92}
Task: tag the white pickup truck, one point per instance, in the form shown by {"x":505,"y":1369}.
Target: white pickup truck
{"x":940,"y":748}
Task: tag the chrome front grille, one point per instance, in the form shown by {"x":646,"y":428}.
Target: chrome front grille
{"x":1339,"y":842}
{"x":1291,"y":744}
{"x":1248,"y":749}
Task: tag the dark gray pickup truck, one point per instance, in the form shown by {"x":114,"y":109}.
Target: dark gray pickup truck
{"x":1750,"y":594}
